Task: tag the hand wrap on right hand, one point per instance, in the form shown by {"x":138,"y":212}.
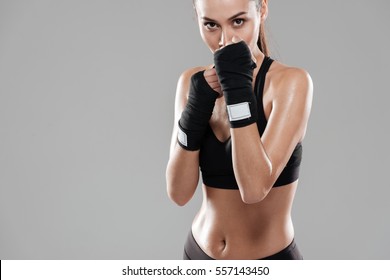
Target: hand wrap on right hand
{"x":196,"y":115}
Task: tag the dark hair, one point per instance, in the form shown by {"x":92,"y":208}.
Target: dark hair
{"x":262,"y":40}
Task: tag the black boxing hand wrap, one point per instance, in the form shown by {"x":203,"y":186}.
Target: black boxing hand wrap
{"x":234,"y":67}
{"x":196,"y":115}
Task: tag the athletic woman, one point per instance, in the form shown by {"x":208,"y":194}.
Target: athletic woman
{"x":240,"y":121}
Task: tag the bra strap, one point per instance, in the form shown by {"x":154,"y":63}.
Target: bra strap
{"x":263,"y":71}
{"x":262,"y":122}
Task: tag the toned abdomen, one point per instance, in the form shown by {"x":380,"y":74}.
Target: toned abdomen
{"x":227,"y":228}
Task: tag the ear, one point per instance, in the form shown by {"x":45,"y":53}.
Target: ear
{"x":264,"y":10}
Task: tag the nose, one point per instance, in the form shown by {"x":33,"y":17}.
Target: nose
{"x":226,"y":37}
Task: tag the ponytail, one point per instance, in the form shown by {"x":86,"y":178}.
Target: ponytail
{"x":262,"y":41}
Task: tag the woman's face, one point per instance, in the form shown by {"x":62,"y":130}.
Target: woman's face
{"x":220,"y":20}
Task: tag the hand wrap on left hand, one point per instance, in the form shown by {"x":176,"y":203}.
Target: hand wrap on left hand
{"x":234,"y":67}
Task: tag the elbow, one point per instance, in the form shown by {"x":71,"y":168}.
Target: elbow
{"x":254,"y":192}
{"x":252,"y":197}
{"x":251,"y":200}
{"x":177,"y":198}
{"x":176,"y":191}
{"x":180,"y":184}
{"x":255,"y":185}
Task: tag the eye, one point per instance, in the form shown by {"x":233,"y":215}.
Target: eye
{"x":238,"y":22}
{"x":210,"y":25}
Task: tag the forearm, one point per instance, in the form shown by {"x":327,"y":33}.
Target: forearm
{"x":182,"y":174}
{"x":252,"y":167}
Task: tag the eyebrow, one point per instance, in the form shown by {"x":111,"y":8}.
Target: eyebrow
{"x":236,"y":15}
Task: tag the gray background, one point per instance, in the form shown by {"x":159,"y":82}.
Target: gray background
{"x":86,"y":113}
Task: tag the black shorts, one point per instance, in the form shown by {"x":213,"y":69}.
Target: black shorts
{"x":192,"y":251}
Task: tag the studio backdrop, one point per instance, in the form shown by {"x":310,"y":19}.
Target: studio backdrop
{"x":87,"y":94}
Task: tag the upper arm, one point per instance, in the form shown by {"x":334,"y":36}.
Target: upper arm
{"x":287,"y":123}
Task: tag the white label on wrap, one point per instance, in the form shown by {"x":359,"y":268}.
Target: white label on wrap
{"x":182,"y":137}
{"x":239,"y":111}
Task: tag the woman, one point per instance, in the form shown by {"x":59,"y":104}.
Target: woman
{"x":241,"y":120}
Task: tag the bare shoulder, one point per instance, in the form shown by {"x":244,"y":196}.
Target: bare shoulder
{"x":290,"y":81}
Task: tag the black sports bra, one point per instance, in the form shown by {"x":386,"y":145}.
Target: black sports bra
{"x":215,"y":157}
